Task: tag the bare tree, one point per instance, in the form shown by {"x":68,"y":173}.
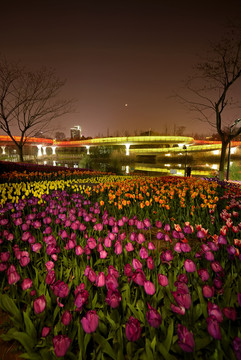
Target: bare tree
{"x":28,"y":101}
{"x":211,"y":93}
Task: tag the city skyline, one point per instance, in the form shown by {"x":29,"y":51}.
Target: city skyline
{"x":121,"y":60}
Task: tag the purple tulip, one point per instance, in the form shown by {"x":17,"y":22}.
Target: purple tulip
{"x":111,"y":282}
{"x":26,"y":284}
{"x":149,"y":288}
{"x":24,"y":259}
{"x":237,"y":347}
{"x":45,"y":331}
{"x":81,"y":297}
{"x":213,"y":327}
{"x":39,"y":304}
{"x":159,"y":235}
{"x":182,"y":299}
{"x":61,"y":344}
{"x":4,"y":256}
{"x":90,"y":321}
{"x":139,"y":277}
{"x":177,"y":248}
{"x":153,"y":317}
{"x":209,"y":256}
{"x":113,"y":298}
{"x":208,"y":291}
{"x":166,"y":256}
{"x":12,"y":274}
{"x":60,"y":289}
{"x":189,"y":265}
{"x":133,"y":329}
{"x":158,"y":224}
{"x":230,"y":313}
{"x":162,"y":279}
{"x":113,"y":271}
{"x":185,"y":248}
{"x":50,"y":277}
{"x":128,"y":270}
{"x":66,"y":318}
{"x":182,"y":278}
{"x":203,"y":274}
{"x":215,"y":310}
{"x":186,"y":340}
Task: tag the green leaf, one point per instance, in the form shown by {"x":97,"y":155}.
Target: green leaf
{"x":24,"y":339}
{"x":138,"y":314}
{"x":202,"y":302}
{"x":163,"y":351}
{"x":8,"y":305}
{"x":168,"y":340}
{"x":197,"y":312}
{"x":94,"y":301}
{"x":153,"y":344}
{"x":31,"y":356}
{"x":87,"y":339}
{"x":201,"y":343}
{"x":148,"y":350}
{"x":105,"y":346}
{"x":30,"y":329}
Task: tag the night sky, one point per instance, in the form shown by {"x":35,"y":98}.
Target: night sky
{"x":121,"y":59}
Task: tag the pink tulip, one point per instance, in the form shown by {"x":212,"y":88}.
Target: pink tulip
{"x":203,"y":274}
{"x":208,"y":291}
{"x":133,"y":329}
{"x":60,"y":289}
{"x":140,"y":238}
{"x":214,"y":310}
{"x":237,"y":347}
{"x":113,"y":298}
{"x":61,"y":344}
{"x":186,"y":340}
{"x":149,"y":288}
{"x":162,"y":279}
{"x":136,"y":264}
{"x":153,"y":317}
{"x":128,"y":270}
{"x":79,"y":250}
{"x":143,"y":253}
{"x":178,"y":309}
{"x":13,"y":275}
{"x":139,"y":277}
{"x":90,"y":321}
{"x":103,"y":254}
{"x":189,"y":265}
{"x":111,"y":282}
{"x":39,"y":304}
{"x":45,"y":331}
{"x":66,"y":318}
{"x":129,"y":247}
{"x":230,"y":313}
{"x":100,"y":279}
{"x":213,"y":327}
{"x":26,"y":284}
{"x":113,"y":271}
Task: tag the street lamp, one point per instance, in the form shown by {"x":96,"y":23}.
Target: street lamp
{"x":229,"y":148}
{"x":185,"y":148}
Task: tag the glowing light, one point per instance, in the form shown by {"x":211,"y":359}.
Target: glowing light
{"x":167,"y":154}
{"x":215,"y":152}
{"x":127,"y":149}
{"x":233,"y":150}
{"x":167,"y":165}
{"x":214,"y":167}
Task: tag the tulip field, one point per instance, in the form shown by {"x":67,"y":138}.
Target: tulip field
{"x":99,"y":266}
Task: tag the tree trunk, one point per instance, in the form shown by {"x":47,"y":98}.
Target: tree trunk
{"x":222,"y":159}
{"x":20,"y":152}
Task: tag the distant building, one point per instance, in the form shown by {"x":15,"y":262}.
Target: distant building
{"x":75,"y":133}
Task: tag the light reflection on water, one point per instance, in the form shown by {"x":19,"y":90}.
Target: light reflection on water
{"x":178,"y":169}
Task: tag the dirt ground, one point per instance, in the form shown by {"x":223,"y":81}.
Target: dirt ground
{"x":9,"y":350}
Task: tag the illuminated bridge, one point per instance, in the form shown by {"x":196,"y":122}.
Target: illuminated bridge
{"x":154,"y":144}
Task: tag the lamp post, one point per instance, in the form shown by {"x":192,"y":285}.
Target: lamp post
{"x":185,"y":148}
{"x":229,"y":147}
